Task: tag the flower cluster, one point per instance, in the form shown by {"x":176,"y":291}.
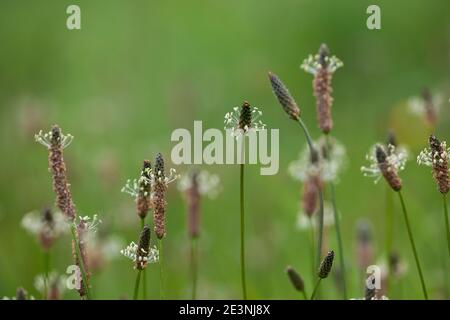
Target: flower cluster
{"x":47,"y":226}
{"x":48,"y":138}
{"x":437,"y":156}
{"x":242,"y":120}
{"x":313,"y":64}
{"x":395,"y":158}
{"x":328,"y":167}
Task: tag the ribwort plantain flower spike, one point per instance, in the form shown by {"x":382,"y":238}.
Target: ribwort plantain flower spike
{"x":284,"y":97}
{"x":437,"y":157}
{"x":243,"y":119}
{"x":296,"y":279}
{"x":56,"y":141}
{"x":326,"y":265}
{"x":386,"y":162}
{"x":141,"y":254}
{"x":322,"y":66}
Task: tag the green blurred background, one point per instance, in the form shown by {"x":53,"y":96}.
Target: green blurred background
{"x":139,"y":69}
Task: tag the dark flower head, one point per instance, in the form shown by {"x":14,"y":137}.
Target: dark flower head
{"x":284,"y":97}
{"x":296,"y":279}
{"x":325,"y":265}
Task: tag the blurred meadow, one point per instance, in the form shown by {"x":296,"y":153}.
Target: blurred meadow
{"x":137,"y":70}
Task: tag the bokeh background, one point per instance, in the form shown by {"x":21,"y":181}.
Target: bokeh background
{"x":138,"y":70}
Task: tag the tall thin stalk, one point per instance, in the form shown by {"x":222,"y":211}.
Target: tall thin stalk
{"x":388,"y":224}
{"x":80,"y":260}
{"x":316,"y":287}
{"x":312,"y":237}
{"x":144,"y":277}
{"x":194,"y":267}
{"x":447,"y":226}
{"x":161,"y":266}
{"x":243,"y":278}
{"x":136,"y":285}
{"x":337,"y":224}
{"x":46,"y":272}
{"x":413,"y":245}
{"x":320,"y":228}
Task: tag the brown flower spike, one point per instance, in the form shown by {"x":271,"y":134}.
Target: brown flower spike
{"x":284,"y":97}
{"x":59,"y":175}
{"x":325,"y":265}
{"x":439,"y":159}
{"x":143,"y":248}
{"x":143,"y":202}
{"x":310,"y":194}
{"x":387,"y":169}
{"x":159,"y":197}
{"x":295,"y":279}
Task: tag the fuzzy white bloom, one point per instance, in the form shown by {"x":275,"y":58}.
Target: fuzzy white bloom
{"x":131,"y":253}
{"x":132,"y":186}
{"x":312,"y":64}
{"x":327,"y":168}
{"x":396,"y":157}
{"x":231,"y":122}
{"x":418,"y":107}
{"x":171,"y":177}
{"x":45,"y":139}
{"x":54,"y":280}
{"x":208,"y":184}
{"x":91,"y":223}
{"x":305,"y":223}
{"x":427,"y":158}
{"x":34,"y":223}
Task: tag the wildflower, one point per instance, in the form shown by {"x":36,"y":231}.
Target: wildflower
{"x":56,"y":141}
{"x":310,"y":194}
{"x":284,"y":97}
{"x":47,"y":226}
{"x":159,"y":183}
{"x":142,"y":254}
{"x":437,"y":156}
{"x":427,"y":106}
{"x":141,"y":190}
{"x":325,"y":265}
{"x":322,"y":66}
{"x":56,"y":285}
{"x":244,"y":119}
{"x":386,"y":163}
{"x":326,"y":166}
{"x":296,"y":279}
{"x":194,"y":185}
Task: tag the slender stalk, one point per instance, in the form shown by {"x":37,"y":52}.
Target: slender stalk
{"x":337,"y":224}
{"x":315,"y":289}
{"x":46,"y":272}
{"x":243,"y":279}
{"x":320,"y":231}
{"x":388,"y":230}
{"x":311,"y":227}
{"x":136,"y":285}
{"x":161,"y":266}
{"x":447,"y":226}
{"x":305,"y":297}
{"x":194,"y":267}
{"x":80,"y":260}
{"x":144,"y":277}
{"x":413,"y":245}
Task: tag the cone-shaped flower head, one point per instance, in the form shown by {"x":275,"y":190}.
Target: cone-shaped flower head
{"x":284,"y":97}
{"x":296,"y":279}
{"x":325,"y":265}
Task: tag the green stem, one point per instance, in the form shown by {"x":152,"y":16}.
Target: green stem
{"x":80,"y":260}
{"x":320,"y":235}
{"x":447,"y":226}
{"x":389,"y":232}
{"x":136,"y":285}
{"x":161,"y":266}
{"x":312,"y":236}
{"x":337,"y":225}
{"x":315,"y":288}
{"x":411,"y":239}
{"x":305,"y":297}
{"x":144,"y":277}
{"x":244,"y":287}
{"x":46,"y":272}
{"x":194,"y":267}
